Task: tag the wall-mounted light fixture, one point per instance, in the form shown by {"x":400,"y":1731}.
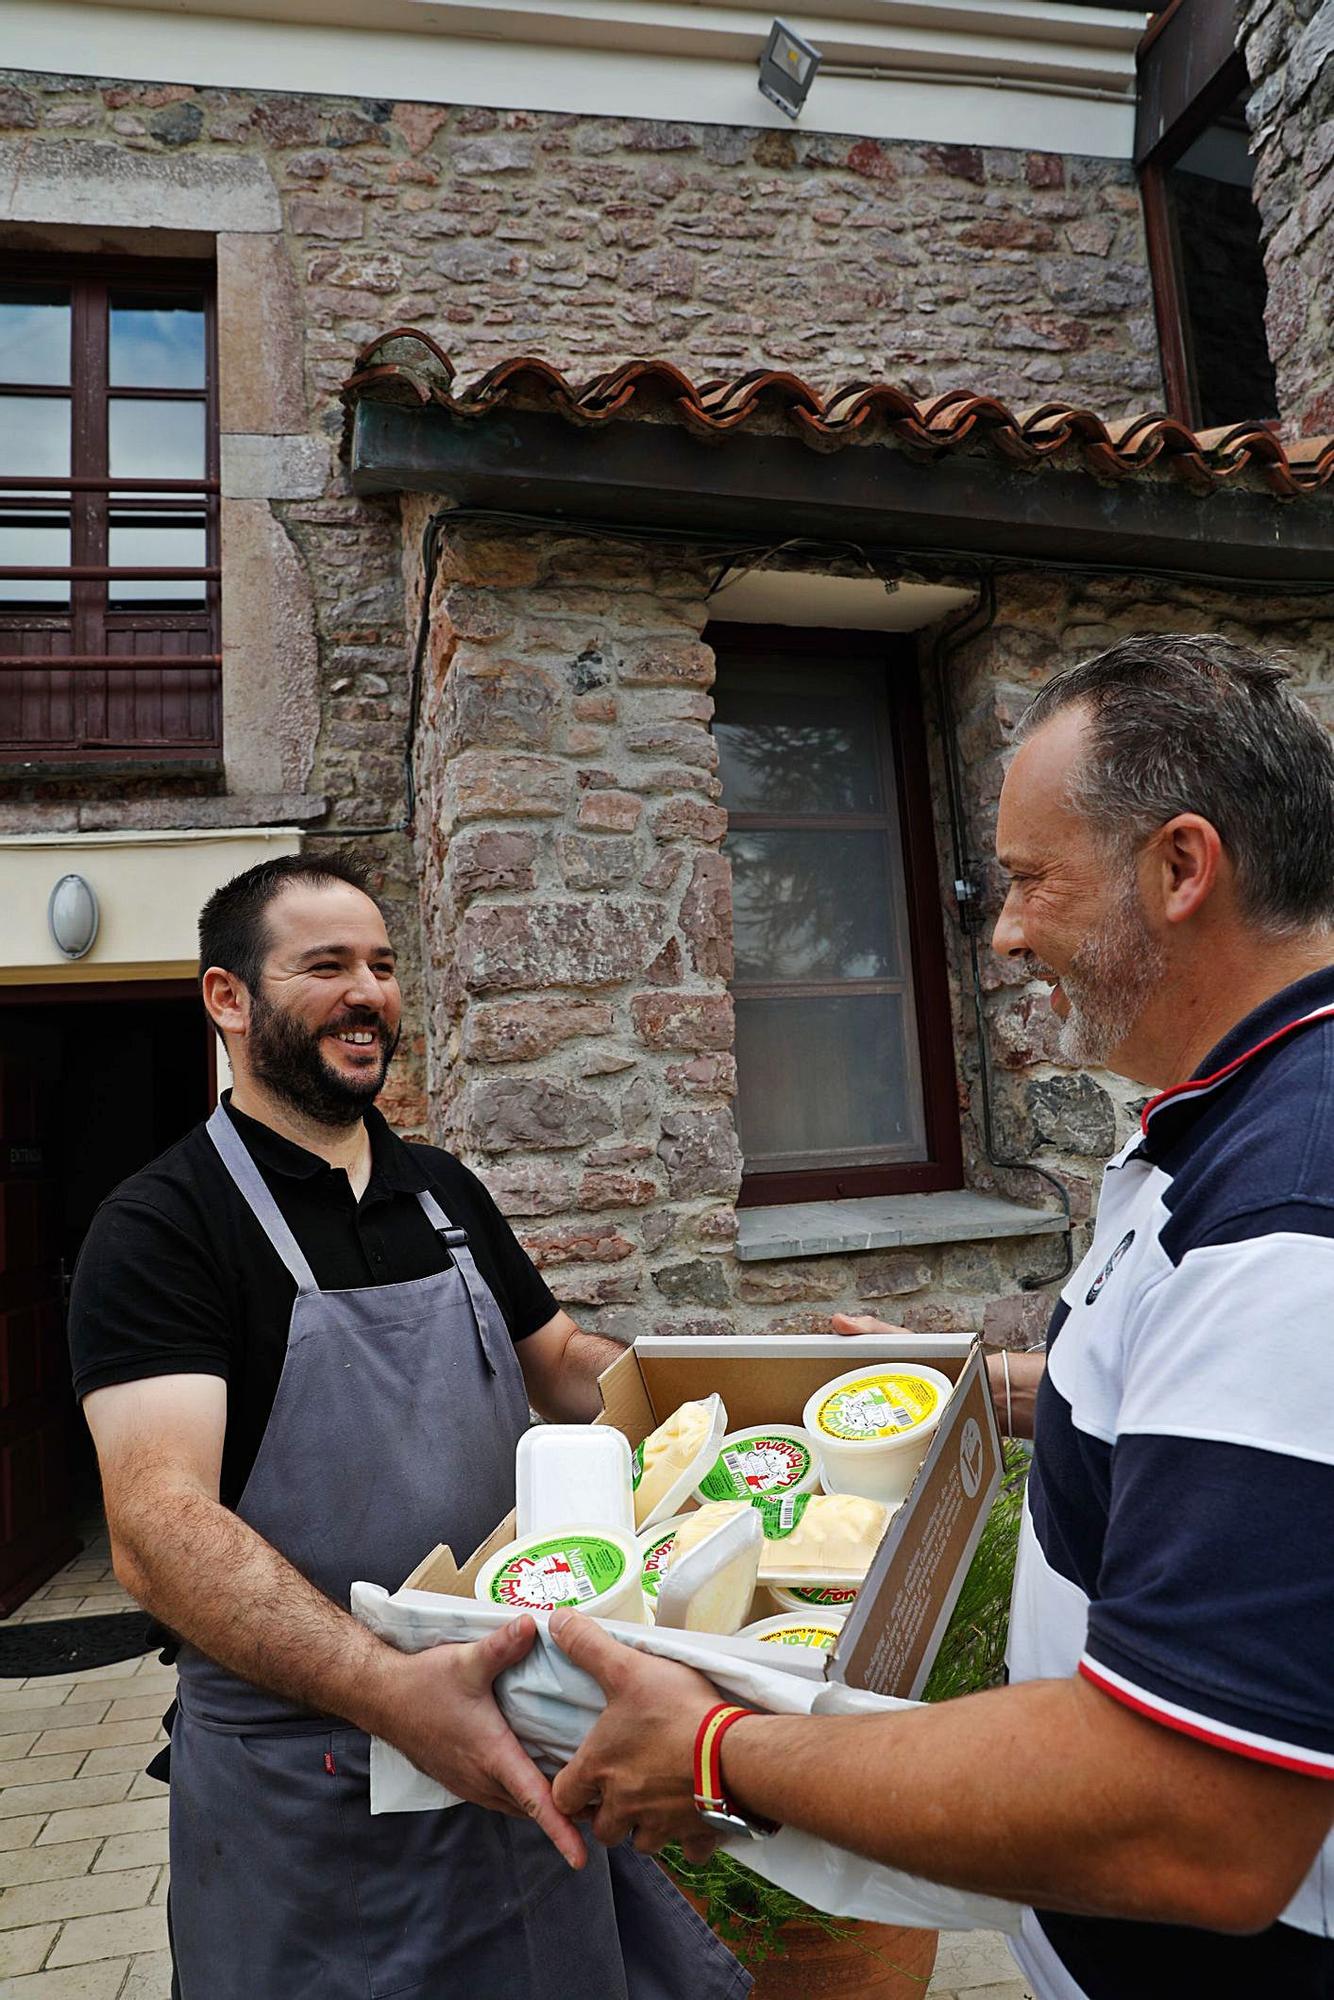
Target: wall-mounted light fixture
{"x":72,"y":916}
{"x":787,"y":68}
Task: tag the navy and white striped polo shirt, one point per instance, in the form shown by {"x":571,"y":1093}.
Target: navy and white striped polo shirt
{"x":1178,"y":1541}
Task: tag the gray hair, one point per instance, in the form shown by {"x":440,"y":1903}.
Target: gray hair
{"x":1206,"y":726}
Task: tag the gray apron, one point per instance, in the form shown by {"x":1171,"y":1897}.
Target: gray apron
{"x":393,"y":1428}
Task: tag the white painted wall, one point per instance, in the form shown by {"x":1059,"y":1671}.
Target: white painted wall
{"x":1025,"y":73}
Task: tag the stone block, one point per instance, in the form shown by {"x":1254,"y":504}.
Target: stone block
{"x":578,"y":1286}
{"x":594,"y":862}
{"x":700,"y":1152}
{"x":556,"y":944}
{"x":326,"y":215}
{"x":684,"y":1020}
{"x":666,"y":968}
{"x":699,"y":1281}
{"x":788,"y":1284}
{"x":265,"y":467}
{"x":609,"y":811}
{"x":584,"y":1243}
{"x":667,"y":663}
{"x":502,"y":1113}
{"x":1073,"y":1113}
{"x":1018,"y":1321}
{"x":892,"y":1277}
{"x":501,"y":701}
{"x":96,"y":183}
{"x":261,"y":368}
{"x":529,"y":1187}
{"x":614,"y":1187}
{"x":690,"y":819}
{"x":686,"y":741}
{"x":270,"y":658}
{"x":706,"y":916}
{"x":521,"y":1030}
{"x":489,"y":784}
{"x":704,"y":1076}
{"x":482,"y":860}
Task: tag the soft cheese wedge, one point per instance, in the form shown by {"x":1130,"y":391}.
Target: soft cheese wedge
{"x":672,"y":1458}
{"x":809,"y":1538}
{"x":710,"y":1586}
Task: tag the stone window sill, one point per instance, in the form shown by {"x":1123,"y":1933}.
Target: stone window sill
{"x":885,"y":1222}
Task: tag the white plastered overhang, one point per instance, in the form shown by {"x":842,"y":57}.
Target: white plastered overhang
{"x":1018,"y":73}
{"x":150,"y":888}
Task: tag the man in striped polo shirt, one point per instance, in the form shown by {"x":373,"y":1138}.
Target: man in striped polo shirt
{"x":1153,"y":1784}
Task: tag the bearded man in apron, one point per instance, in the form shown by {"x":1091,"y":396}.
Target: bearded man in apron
{"x":306,"y":1352}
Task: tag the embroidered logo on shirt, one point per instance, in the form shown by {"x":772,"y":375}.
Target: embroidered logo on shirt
{"x":1091,"y":1295}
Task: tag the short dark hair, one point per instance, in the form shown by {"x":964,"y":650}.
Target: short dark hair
{"x":1205,"y":725}
{"x":233,"y":928}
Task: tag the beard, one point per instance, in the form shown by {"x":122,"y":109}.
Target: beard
{"x":287,"y":1056}
{"x":1109,"y":981}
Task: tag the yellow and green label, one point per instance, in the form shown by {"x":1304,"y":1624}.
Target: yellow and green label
{"x":878,"y":1406}
{"x":801,"y":1635}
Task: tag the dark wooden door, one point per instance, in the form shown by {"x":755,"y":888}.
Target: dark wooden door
{"x":36,"y":1406}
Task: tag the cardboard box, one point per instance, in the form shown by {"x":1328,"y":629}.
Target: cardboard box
{"x":894,"y":1629}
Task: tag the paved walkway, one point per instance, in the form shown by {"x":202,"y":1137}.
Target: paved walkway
{"x":83,"y":1833}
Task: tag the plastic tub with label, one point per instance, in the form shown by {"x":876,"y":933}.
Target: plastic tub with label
{"x":766,"y":1461}
{"x":814,"y":1599}
{"x":873,"y":1424}
{"x":592,"y":1569}
{"x":655,"y":1553}
{"x":817,"y":1630}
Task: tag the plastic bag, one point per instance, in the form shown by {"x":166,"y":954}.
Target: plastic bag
{"x":551,"y":1705}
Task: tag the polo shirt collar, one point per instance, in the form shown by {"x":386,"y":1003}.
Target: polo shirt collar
{"x":394,"y":1169}
{"x":1284,"y":1013}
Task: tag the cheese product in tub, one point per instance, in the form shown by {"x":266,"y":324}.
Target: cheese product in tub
{"x":588,"y":1568}
{"x":818,"y":1629}
{"x":656,"y":1546}
{"x":873,"y":1424}
{"x":710,"y":1580}
{"x":572,"y":1472}
{"x":665,"y":1467}
{"x":814,"y":1599}
{"x":809,"y":1538}
{"x":763,"y":1460}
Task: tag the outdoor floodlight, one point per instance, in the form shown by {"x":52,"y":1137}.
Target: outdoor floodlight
{"x":72,"y":916}
{"x":787,"y":69}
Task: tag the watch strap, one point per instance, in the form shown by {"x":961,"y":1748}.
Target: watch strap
{"x":710,"y":1799}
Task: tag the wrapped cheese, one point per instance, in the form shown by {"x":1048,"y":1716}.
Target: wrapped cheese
{"x":809,"y":1538}
{"x":666,"y":1466}
{"x":710,"y":1584}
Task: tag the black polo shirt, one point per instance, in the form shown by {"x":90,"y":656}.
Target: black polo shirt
{"x":176,"y":1277}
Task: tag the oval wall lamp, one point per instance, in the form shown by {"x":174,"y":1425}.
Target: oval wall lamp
{"x":72,"y":916}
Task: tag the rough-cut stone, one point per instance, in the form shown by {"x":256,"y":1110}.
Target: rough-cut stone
{"x":528,"y":1187}
{"x":615,"y":1187}
{"x":706,"y":916}
{"x":521,"y":1030}
{"x":789,"y":1284}
{"x":579,"y":1243}
{"x":595,"y":862}
{"x":611,"y":812}
{"x":700,"y":1152}
{"x":700,"y":1281}
{"x":1074,"y":1113}
{"x":704,"y":1076}
{"x":506,"y":1112}
{"x":578,"y":1286}
{"x":503,"y":701}
{"x":556,"y":944}
{"x":683,"y":1020}
{"x":490,"y":785}
{"x":667,"y":663}
{"x":482,"y":860}
{"x":690,"y":819}
{"x":1018,"y":1321}
{"x":893,"y":1276}
{"x":270,"y":658}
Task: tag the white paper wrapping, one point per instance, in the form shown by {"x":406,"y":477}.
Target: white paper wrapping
{"x":551,"y":1705}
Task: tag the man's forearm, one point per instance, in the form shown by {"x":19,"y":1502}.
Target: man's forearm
{"x":569,"y":1390}
{"x":1047,"y":1794}
{"x":1013,"y":1378}
{"x":222,"y":1587}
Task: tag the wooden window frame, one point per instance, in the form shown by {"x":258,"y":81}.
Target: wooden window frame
{"x":905,"y":739}
{"x":90,"y":665}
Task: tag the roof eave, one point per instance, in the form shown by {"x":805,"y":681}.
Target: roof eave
{"x":755,"y":486}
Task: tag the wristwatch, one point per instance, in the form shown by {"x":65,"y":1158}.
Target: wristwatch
{"x":711,"y":1802}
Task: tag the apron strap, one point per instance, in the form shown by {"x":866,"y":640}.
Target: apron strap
{"x":456,"y":1242}
{"x":256,"y":1193}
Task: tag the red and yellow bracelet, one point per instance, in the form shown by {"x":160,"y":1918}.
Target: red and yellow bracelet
{"x":708,"y":1765}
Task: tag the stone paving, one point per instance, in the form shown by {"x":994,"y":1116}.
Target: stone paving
{"x":83,"y":1832}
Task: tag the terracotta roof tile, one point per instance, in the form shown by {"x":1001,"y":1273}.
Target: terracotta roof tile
{"x":405,"y":365}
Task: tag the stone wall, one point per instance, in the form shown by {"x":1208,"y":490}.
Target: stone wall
{"x":1289,"y":49}
{"x":579,"y":909}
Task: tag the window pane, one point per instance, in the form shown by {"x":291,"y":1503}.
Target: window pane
{"x":827,"y":1081}
{"x":168,"y":543}
{"x":813,"y":904}
{"x":1222,"y":273}
{"x":151,"y":440}
{"x":44,"y":547}
{"x":34,"y":437}
{"x":797,"y":738}
{"x":157,"y":342}
{"x":34,"y":335}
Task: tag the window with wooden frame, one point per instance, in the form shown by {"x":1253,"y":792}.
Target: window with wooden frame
{"x":109,"y":590}
{"x":846,"y":1081}
{"x":1192,"y":149}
